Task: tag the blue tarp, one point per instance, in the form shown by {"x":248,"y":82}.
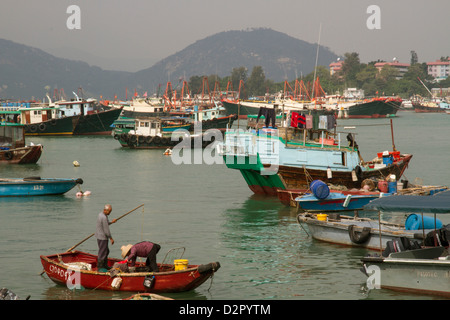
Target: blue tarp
{"x":437,"y":203}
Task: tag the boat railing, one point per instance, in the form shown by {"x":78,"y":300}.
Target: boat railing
{"x":173,"y":254}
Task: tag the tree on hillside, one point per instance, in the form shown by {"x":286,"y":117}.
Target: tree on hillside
{"x":237,"y":75}
{"x":414,"y":58}
{"x":350,"y":67}
{"x":256,"y":83}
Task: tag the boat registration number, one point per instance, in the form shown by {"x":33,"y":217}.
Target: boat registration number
{"x":38,"y":187}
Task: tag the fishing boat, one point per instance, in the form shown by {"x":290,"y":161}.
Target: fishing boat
{"x":337,"y":201}
{"x":158,"y":133}
{"x":423,"y":270}
{"x":357,"y":231}
{"x":431,"y":106}
{"x":80,"y":268}
{"x":13,"y":149}
{"x":35,"y":186}
{"x":380,"y":107}
{"x":210,"y":117}
{"x":286,"y":158}
{"x":75,"y":117}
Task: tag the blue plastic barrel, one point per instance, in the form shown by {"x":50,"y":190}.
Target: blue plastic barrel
{"x":387,"y":160}
{"x":319,"y":189}
{"x":392,"y":187}
{"x":414,"y":222}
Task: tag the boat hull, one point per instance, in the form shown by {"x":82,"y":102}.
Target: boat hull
{"x":376,"y":108}
{"x":242,"y":110}
{"x":35,"y":186}
{"x":167,"y":280}
{"x":335,"y":202}
{"x":96,"y":123}
{"x":417,"y":271}
{"x":133,"y":141}
{"x":298,"y":178}
{"x":24,"y":155}
{"x":348,"y":231}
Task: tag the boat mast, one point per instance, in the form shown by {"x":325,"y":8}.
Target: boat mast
{"x":317,"y":57}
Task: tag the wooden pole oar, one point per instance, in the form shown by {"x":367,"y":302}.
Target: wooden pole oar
{"x":94,"y":233}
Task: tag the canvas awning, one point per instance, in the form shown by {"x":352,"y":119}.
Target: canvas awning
{"x":437,"y":203}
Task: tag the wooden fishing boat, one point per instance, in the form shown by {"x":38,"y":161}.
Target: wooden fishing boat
{"x":75,"y":117}
{"x":147,"y":296}
{"x":13,"y":149}
{"x":35,"y":186}
{"x":356,"y":231}
{"x":160,"y":133}
{"x":273,"y":159}
{"x":80,"y":268}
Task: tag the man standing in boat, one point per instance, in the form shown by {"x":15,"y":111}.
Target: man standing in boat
{"x":102,"y":233}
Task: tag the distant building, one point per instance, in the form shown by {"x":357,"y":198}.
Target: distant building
{"x":335,"y":67}
{"x":402,"y":68}
{"x":440,"y":92}
{"x":439,"y":70}
{"x":353,"y":93}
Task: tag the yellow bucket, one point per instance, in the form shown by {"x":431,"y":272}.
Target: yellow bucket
{"x":322,"y":217}
{"x":180,"y":264}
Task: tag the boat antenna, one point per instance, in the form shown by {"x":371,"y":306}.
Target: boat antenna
{"x":317,"y":56}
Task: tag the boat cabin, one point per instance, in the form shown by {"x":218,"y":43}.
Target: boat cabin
{"x":12,"y":135}
{"x":144,"y":126}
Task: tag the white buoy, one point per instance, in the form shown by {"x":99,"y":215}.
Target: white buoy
{"x":87,"y":193}
{"x":76,"y":163}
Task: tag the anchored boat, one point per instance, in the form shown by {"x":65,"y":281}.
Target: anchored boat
{"x":35,"y":186}
{"x":75,"y":117}
{"x":356,"y":231}
{"x":13,"y":149}
{"x":286,"y":158}
{"x":80,"y":268}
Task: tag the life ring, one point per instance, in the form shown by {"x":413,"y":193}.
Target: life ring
{"x":165,"y":141}
{"x":141,"y":139}
{"x":42,"y":127}
{"x":148,"y":139}
{"x":358,"y":238}
{"x":32,"y":128}
{"x":157,"y":139}
{"x":8,"y":155}
{"x":133,"y":138}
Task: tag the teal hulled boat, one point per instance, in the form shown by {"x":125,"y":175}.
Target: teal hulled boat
{"x":284,"y":158}
{"x":35,"y":186}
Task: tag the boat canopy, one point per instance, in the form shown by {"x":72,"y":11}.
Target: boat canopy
{"x":436,"y":203}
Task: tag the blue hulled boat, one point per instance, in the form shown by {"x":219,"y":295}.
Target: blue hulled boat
{"x":35,"y":186}
{"x":337,"y":201}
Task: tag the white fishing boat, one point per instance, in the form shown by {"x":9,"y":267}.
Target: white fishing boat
{"x":357,"y":231}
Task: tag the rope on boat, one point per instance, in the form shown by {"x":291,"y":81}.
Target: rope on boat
{"x":301,"y":225}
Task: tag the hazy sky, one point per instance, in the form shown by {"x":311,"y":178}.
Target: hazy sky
{"x":133,"y":35}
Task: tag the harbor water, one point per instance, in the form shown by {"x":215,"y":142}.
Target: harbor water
{"x":206,"y":208}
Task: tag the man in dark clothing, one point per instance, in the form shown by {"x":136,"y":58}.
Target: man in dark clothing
{"x":102,"y":233}
{"x":144,"y":249}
